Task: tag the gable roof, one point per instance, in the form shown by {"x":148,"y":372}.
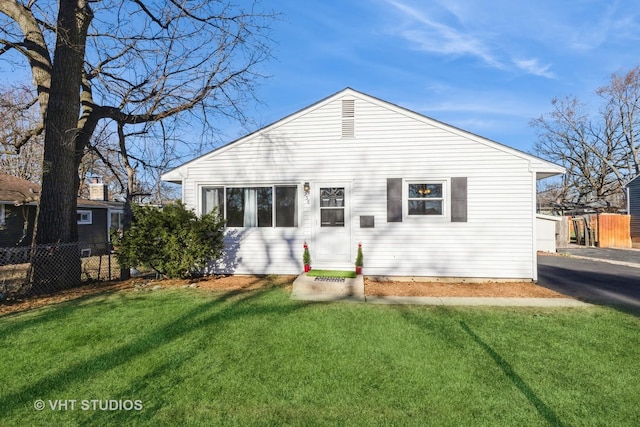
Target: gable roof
{"x":17,"y":190}
{"x":542,"y":167}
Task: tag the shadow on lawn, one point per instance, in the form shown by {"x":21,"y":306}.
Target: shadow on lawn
{"x":517,"y":380}
{"x":451,"y":337}
{"x":120,"y":355}
{"x":56,"y":311}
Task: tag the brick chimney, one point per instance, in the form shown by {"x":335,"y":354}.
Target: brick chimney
{"x":98,"y":190}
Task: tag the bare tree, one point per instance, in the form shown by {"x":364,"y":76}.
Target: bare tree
{"x":622,"y":97}
{"x":152,"y":65}
{"x":599,"y":150}
{"x":19,"y":114}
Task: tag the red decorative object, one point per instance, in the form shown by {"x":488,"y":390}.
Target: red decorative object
{"x":306,"y":258}
{"x":359,"y":259}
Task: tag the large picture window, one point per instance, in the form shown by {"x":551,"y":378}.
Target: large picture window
{"x":264,"y":206}
{"x":426,"y":198}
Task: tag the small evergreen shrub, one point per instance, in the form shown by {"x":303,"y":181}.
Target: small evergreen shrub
{"x":306,"y":256}
{"x":359,"y":257}
{"x":173,"y":241}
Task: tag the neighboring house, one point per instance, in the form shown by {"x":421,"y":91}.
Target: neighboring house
{"x":18,"y":204}
{"x":17,"y":210}
{"x":633,"y":209}
{"x":424,"y":198}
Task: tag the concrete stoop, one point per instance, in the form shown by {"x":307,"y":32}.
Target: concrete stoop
{"x":328,"y":289}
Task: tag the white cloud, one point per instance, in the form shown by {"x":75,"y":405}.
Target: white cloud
{"x":533,"y":66}
{"x":433,"y":36}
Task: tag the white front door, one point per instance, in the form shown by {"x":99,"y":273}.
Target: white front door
{"x":332,"y":243}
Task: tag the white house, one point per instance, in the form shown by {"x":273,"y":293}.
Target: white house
{"x":424,"y":198}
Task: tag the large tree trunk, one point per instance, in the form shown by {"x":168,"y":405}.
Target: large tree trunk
{"x":59,"y":265}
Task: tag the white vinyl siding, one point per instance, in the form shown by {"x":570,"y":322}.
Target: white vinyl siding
{"x":496,"y":241}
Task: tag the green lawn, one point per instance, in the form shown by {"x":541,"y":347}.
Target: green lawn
{"x":192,"y":357}
{"x":333,"y":273}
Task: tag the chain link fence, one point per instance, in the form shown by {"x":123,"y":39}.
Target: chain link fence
{"x":44,"y":269}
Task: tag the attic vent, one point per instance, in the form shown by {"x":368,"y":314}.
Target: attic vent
{"x":348,"y":108}
{"x":348,"y":121}
{"x":348,"y":128}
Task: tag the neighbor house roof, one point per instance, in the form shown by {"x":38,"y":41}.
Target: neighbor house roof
{"x":636,"y":178}
{"x":18,"y":191}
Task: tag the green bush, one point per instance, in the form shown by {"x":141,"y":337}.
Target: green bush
{"x":173,"y":241}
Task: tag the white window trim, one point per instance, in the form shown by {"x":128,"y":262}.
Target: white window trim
{"x":299,"y":194}
{"x":2,"y":214}
{"x":109,"y":222}
{"x":88,"y":221}
{"x":446,"y":199}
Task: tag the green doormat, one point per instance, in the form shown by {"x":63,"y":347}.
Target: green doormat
{"x":332,"y":273}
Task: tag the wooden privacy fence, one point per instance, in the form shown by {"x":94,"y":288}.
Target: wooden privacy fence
{"x":614,"y":231}
{"x":604,"y":230}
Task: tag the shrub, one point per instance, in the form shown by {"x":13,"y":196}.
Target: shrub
{"x":173,"y":240}
{"x":359,"y":257}
{"x":306,"y":256}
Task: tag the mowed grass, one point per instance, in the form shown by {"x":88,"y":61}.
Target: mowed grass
{"x":194,"y":357}
{"x":332,"y":273}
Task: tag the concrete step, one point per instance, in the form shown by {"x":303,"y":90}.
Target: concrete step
{"x":328,"y":289}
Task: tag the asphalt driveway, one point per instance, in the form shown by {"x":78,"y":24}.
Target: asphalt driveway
{"x":592,"y":280}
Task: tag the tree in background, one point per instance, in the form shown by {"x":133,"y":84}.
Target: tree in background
{"x":19,"y":156}
{"x":600,"y":150}
{"x":151,"y":65}
{"x":22,"y":157}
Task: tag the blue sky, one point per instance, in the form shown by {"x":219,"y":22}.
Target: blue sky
{"x":487,"y":66}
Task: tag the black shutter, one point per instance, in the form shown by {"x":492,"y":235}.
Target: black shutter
{"x":459,"y":199}
{"x":394,"y":199}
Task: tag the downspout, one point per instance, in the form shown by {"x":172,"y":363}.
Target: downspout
{"x":534,"y":228}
